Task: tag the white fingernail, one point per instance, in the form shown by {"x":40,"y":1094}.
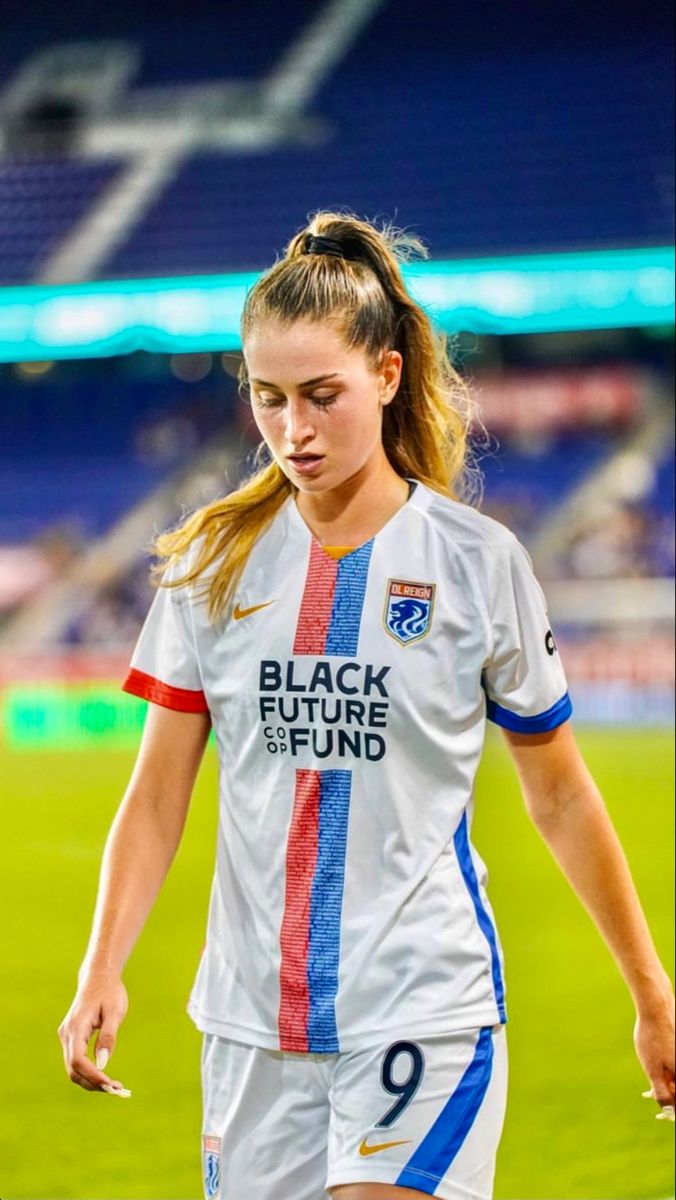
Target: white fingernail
{"x":123,"y":1093}
{"x":667,"y":1114}
{"x":102,"y":1057}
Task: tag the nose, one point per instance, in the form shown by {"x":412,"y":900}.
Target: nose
{"x":299,"y":427}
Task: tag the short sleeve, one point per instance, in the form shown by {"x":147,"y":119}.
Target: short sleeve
{"x":164,"y":666}
{"x":523,"y":679}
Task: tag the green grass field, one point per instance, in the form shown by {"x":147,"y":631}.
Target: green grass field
{"x":577,"y":1126}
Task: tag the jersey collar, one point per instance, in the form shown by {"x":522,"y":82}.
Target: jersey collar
{"x":420,"y":498}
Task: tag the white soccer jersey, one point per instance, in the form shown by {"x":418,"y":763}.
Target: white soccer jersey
{"x":348,"y":698}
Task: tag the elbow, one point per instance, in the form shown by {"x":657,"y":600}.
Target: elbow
{"x":552,"y":809}
{"x":155,"y":812}
{"x":545,"y":812}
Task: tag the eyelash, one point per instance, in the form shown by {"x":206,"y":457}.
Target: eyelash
{"x":320,"y":401}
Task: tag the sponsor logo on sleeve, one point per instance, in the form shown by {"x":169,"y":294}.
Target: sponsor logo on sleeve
{"x":409,"y":607}
{"x":550,"y":643}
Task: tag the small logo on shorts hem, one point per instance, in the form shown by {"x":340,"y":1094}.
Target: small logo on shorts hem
{"x":212,"y":1165}
{"x":365,"y":1149}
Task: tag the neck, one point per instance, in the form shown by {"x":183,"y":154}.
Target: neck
{"x":354,"y":512}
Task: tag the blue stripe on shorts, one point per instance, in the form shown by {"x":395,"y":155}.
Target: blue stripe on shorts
{"x":437,"y":1151}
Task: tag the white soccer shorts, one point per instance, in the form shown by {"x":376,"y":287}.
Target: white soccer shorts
{"x":424,"y":1113}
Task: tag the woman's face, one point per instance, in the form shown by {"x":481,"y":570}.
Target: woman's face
{"x":317,"y":403}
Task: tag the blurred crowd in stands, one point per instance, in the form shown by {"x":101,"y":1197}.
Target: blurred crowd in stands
{"x":625,"y":541}
{"x":527,"y":474}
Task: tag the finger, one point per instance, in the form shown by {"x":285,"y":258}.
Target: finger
{"x":80,"y":1081}
{"x":120,"y":1091}
{"x":76,"y":1051}
{"x":98,"y":1080}
{"x":662,"y":1091}
{"x":75,"y":1038}
{"x":81,"y":1065}
{"x":105,"y":1042}
{"x":102,"y":1056}
{"x":114,"y":1087}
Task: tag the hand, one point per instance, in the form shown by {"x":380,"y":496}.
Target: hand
{"x":654,"y":1042}
{"x":100,"y":1003}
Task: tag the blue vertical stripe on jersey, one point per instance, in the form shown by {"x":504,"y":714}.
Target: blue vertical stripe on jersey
{"x":326,"y":905}
{"x":464,"y":855}
{"x":348,"y":602}
{"x":438,"y":1149}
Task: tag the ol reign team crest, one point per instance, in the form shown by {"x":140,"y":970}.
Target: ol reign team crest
{"x":409,"y":608}
{"x":212,"y":1166}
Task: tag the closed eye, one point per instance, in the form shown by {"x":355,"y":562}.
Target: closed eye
{"x":273,"y":401}
{"x":269,"y":401}
{"x":324,"y":401}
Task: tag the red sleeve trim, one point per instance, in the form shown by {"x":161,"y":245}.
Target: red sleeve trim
{"x":149,"y":688}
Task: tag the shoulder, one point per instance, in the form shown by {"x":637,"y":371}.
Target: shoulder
{"x":466,"y":528}
{"x":177,"y":587}
{"x":470,"y":546}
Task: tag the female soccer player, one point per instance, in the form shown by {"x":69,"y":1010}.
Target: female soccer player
{"x":346,"y":623}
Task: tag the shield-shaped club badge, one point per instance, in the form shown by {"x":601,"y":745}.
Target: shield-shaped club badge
{"x":408,"y":609}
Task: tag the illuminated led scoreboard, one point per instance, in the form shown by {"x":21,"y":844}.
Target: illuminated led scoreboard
{"x":541,"y":293}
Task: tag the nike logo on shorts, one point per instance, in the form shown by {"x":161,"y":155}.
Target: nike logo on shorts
{"x":365,"y":1149}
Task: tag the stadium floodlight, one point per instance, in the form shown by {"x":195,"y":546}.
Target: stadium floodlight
{"x":541,"y":293}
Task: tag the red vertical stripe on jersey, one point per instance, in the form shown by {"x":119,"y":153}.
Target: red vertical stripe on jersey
{"x":314,"y":617}
{"x":301,"y":862}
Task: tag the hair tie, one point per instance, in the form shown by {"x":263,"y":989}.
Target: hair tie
{"x":324,"y":245}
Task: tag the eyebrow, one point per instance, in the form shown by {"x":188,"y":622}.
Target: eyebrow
{"x":307,"y":383}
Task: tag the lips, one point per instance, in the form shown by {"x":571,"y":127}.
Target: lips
{"x":306,"y":462}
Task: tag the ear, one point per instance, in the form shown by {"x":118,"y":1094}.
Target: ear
{"x":389,"y":375}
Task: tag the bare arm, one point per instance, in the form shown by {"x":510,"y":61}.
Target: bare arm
{"x":139,"y":851}
{"x":568,"y":811}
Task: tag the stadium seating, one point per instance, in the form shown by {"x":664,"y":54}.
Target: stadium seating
{"x":209,"y":43}
{"x":57,"y":468}
{"x":498,"y":152}
{"x":661,"y":497}
{"x":460,"y":179}
{"x":84,"y":495}
{"x":40,"y":202}
{"x":522,"y":485}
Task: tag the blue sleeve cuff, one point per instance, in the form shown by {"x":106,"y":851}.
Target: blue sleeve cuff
{"x":541,"y":723}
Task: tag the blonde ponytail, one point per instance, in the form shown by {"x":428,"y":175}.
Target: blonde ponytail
{"x":425,"y":428}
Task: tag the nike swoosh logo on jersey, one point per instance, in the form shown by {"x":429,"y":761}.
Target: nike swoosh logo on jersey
{"x":239,"y":613}
{"x":365,"y":1149}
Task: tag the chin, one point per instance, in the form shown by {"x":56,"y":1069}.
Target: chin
{"x":326,"y":480}
{"x":312,"y":485}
